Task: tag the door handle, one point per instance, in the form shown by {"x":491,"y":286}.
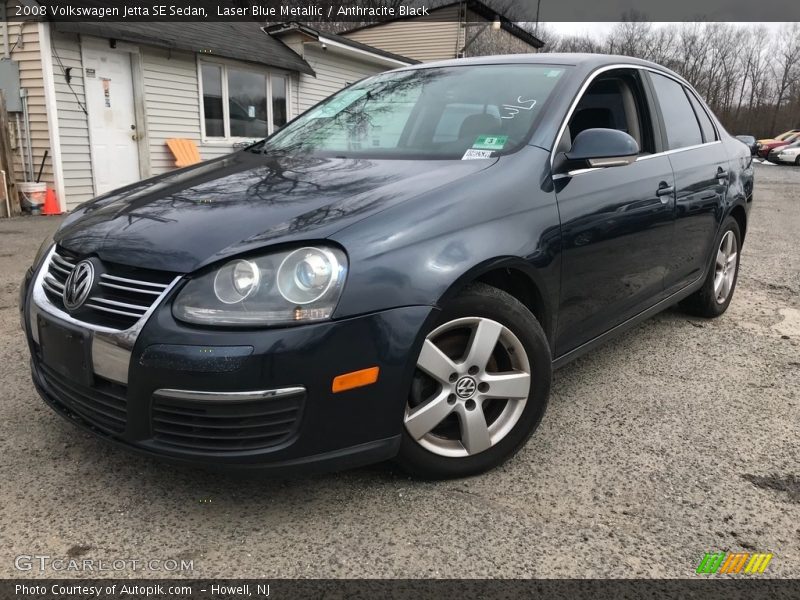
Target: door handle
{"x":722,"y":173}
{"x":665,"y":192}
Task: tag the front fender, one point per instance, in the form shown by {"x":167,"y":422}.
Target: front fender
{"x":421,"y":251}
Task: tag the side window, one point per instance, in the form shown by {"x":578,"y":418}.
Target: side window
{"x":709,"y":133}
{"x":679,"y":119}
{"x":615,"y":100}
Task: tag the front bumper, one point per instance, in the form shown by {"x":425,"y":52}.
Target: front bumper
{"x":255,"y":399}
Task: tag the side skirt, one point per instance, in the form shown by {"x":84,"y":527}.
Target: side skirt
{"x":633,"y":321}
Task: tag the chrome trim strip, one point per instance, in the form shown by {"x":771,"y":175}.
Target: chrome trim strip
{"x":128,"y":289}
{"x":60,"y":269}
{"x":135,"y":281}
{"x":677,"y":150}
{"x":112,"y":310}
{"x":139,"y":307}
{"x":110,"y":347}
{"x":203,"y":396}
{"x":62,"y":261}
{"x":59,"y":287}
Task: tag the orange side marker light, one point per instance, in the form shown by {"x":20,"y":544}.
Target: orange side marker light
{"x":355,"y":379}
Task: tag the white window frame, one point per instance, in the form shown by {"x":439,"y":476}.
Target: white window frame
{"x":224,"y":65}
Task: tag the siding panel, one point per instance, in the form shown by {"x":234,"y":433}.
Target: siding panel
{"x":421,"y":38}
{"x":333,"y":73}
{"x":172,"y":101}
{"x":73,"y":124}
{"x":24,"y":38}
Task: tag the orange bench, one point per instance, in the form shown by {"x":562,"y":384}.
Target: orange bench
{"x":185,"y":152}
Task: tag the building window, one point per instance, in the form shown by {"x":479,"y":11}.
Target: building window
{"x":212,"y":101}
{"x":242,"y":103}
{"x":278,"y":102}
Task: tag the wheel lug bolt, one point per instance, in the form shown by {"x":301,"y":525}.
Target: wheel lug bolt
{"x":473,"y":369}
{"x":470,"y":404}
{"x":451,"y":399}
{"x":483,"y":387}
{"x":453,"y":377}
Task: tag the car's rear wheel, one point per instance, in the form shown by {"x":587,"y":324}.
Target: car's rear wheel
{"x":715,"y":296}
{"x":480,"y":387}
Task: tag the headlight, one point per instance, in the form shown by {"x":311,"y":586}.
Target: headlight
{"x":293,"y":286}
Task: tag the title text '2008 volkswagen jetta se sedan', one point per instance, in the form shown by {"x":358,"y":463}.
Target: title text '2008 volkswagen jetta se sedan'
{"x":396,"y":272}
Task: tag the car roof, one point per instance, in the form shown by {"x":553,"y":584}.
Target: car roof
{"x":584,"y":61}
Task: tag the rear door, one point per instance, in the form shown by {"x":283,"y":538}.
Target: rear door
{"x":700,"y":164}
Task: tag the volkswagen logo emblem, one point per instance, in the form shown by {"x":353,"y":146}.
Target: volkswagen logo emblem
{"x":78,"y":285}
{"x":465,"y":387}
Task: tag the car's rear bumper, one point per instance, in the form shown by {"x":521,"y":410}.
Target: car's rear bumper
{"x":216,"y":419}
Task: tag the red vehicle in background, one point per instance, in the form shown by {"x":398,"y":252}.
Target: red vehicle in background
{"x":766,"y":146}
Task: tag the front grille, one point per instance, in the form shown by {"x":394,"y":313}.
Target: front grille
{"x":225,"y":426}
{"x":104,"y":405}
{"x":121,"y":295}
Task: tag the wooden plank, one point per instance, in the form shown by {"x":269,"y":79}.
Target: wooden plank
{"x":7,"y":161}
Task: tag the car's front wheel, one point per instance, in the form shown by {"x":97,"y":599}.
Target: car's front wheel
{"x":480,"y":387}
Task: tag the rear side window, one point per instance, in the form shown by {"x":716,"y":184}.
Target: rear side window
{"x":709,"y":133}
{"x":679,"y":119}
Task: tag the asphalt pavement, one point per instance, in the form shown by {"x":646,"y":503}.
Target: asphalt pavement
{"x":676,"y":439}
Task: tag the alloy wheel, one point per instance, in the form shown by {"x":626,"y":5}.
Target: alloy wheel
{"x":472,"y":382}
{"x":725,"y":267}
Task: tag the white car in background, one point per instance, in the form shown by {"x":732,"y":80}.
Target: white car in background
{"x":788,"y":154}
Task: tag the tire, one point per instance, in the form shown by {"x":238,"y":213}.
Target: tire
{"x":797,"y":161}
{"x":715,"y":296}
{"x":458,"y":421}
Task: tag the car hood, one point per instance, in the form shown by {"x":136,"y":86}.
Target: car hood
{"x":187,"y":219}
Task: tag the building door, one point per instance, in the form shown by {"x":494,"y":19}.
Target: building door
{"x":112,"y":118}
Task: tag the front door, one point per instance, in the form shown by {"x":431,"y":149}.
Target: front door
{"x":616,"y":232}
{"x":112,"y":118}
{"x":616,"y":222}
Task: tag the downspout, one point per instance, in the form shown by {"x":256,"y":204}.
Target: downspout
{"x":23,"y":92}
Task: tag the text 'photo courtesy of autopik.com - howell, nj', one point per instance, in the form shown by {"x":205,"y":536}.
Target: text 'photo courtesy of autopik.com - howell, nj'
{"x":399,"y":299}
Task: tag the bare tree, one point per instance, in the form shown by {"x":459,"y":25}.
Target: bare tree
{"x":749,"y":78}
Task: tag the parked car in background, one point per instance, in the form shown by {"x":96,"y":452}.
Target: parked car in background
{"x":780,"y":137}
{"x":390,"y":275}
{"x":786,"y":154}
{"x":764,"y":148}
{"x":750,"y":142}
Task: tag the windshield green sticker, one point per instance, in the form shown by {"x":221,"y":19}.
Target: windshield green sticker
{"x":490,"y":142}
{"x":338,"y":104}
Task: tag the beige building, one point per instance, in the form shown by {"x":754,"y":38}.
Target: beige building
{"x":102,"y":99}
{"x":454,"y":30}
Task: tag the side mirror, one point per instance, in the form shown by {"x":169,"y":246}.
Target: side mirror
{"x":602,"y":148}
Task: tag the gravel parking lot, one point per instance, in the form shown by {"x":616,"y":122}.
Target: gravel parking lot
{"x":679,"y":438}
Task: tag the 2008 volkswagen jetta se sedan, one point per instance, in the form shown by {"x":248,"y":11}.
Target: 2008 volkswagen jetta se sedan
{"x":396,"y":272}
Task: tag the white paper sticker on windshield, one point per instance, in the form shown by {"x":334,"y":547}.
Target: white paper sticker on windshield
{"x":473,"y":154}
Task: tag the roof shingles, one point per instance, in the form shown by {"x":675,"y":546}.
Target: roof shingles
{"x":240,"y":40}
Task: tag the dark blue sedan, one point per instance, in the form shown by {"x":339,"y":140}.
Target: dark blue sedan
{"x":394,"y":274}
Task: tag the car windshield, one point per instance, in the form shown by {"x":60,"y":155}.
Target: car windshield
{"x":439,"y":112}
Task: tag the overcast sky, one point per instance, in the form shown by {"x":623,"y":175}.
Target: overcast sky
{"x":599,"y":29}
